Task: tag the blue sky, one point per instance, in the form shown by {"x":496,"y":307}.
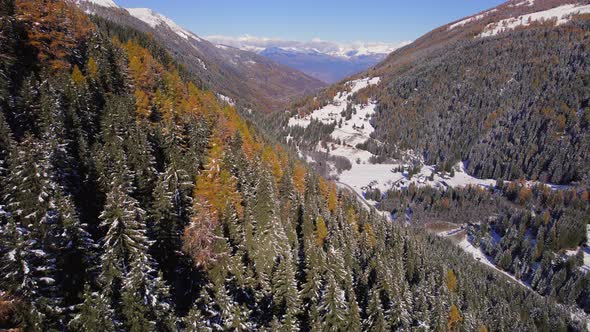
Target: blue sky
{"x":342,"y":21}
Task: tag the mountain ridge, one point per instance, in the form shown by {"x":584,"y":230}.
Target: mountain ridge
{"x":255,"y":81}
{"x":325,"y":60}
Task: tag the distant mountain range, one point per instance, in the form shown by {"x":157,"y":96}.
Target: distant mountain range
{"x":252,"y":80}
{"x":327,"y":61}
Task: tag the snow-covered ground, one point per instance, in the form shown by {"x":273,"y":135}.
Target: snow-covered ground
{"x":471,"y":19}
{"x":331,"y":112}
{"x":561,"y":14}
{"x":357,"y":130}
{"x":523,"y":3}
{"x":385,"y":177}
{"x":226,"y":99}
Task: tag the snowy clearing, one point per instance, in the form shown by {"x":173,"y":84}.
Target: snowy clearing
{"x":561,"y":14}
{"x":331,"y":112}
{"x":384,"y":176}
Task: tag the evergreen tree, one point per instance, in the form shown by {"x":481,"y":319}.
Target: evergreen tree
{"x":126,"y":261}
{"x":375,"y":320}
{"x":33,"y":232}
{"x":194,"y":321}
{"x":93,"y":314}
{"x":166,"y":225}
{"x":333,"y":306}
{"x":270,"y":235}
{"x":77,"y":250}
{"x":6,"y":145}
{"x":285,"y":293}
{"x":354,"y":322}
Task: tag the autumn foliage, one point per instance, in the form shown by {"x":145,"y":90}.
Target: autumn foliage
{"x":54,"y":28}
{"x":299,"y":178}
{"x":199,"y":236}
{"x":451,"y":280}
{"x":454,"y":318}
{"x":216,"y":186}
{"x":321,"y":231}
{"x":328,"y":190}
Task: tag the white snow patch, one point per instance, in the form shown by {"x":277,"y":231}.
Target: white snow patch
{"x":331,"y":112}
{"x":586,"y":266}
{"x":154,"y":19}
{"x":471,"y":19}
{"x":12,"y":255}
{"x":386,"y":176}
{"x":202,"y":64}
{"x":523,"y":3}
{"x":561,"y":14}
{"x":226,"y":99}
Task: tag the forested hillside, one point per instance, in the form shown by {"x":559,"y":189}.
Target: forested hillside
{"x":514,"y":106}
{"x":465,"y":133}
{"x":511,"y":103}
{"x":250,"y":80}
{"x":131,"y":200}
{"x":534,"y":234}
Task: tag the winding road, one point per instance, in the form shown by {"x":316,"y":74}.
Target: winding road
{"x":362,"y":200}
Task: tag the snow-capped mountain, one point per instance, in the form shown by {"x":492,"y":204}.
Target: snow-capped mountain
{"x":325,"y":60}
{"x":256,"y":81}
{"x":325,"y":67}
{"x":154,"y":20}
{"x":336,"y":49}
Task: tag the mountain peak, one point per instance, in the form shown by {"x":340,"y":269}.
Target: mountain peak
{"x":155,"y":19}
